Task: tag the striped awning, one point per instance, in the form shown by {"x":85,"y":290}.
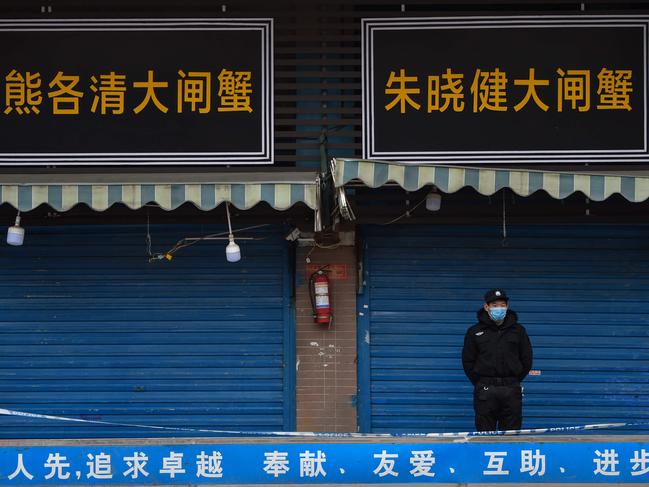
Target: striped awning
{"x":487,"y":181}
{"x":281,"y":190}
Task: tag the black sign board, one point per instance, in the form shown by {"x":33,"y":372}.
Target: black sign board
{"x":136,"y":91}
{"x":509,"y":89}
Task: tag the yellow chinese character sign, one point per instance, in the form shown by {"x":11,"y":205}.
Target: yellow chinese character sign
{"x":22,"y":93}
{"x":235,"y":88}
{"x":565,"y":89}
{"x":151,"y":93}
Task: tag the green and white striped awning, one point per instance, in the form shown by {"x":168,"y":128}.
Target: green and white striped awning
{"x":281,"y":190}
{"x":487,"y":181}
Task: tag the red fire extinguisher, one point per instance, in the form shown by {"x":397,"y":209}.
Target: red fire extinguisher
{"x":319,"y":291}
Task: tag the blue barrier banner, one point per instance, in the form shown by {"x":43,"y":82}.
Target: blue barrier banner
{"x":313,"y":463}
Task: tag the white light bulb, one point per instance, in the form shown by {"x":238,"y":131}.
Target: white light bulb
{"x":433,"y":201}
{"x":16,"y":234}
{"x":232,"y":251}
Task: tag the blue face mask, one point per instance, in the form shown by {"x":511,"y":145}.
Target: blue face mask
{"x":497,"y":314}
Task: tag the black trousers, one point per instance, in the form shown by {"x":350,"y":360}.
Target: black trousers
{"x":498,"y":407}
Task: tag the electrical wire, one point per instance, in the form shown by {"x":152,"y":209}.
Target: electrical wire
{"x":148,"y":236}
{"x":180,"y":245}
{"x":328,"y":247}
{"x":316,"y":245}
{"x":504,"y":239}
{"x":407,"y":213}
{"x":184,"y":243}
{"x":227,"y":212}
{"x":308,"y":255}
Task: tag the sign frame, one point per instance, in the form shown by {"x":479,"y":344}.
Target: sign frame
{"x":217,"y":158}
{"x":371,"y":25}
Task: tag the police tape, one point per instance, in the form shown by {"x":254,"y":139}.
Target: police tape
{"x":305,"y":434}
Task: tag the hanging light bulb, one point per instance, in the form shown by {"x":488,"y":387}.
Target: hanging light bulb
{"x":433,"y":201}
{"x":16,"y":234}
{"x":232,"y":251}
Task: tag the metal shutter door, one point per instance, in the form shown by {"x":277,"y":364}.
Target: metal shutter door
{"x":424,"y":285}
{"x":90,"y":329}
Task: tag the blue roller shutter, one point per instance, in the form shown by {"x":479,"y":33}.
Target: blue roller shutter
{"x":582,"y":292}
{"x":89,"y":329}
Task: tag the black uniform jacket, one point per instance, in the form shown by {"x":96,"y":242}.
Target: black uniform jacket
{"x":501,"y":351}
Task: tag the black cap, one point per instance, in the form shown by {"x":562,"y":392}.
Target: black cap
{"x":495,"y":295}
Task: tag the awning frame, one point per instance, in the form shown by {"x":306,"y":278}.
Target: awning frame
{"x":487,"y":180}
{"x":64,"y":190}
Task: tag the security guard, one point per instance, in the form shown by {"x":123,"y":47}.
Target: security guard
{"x":497,"y":356}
